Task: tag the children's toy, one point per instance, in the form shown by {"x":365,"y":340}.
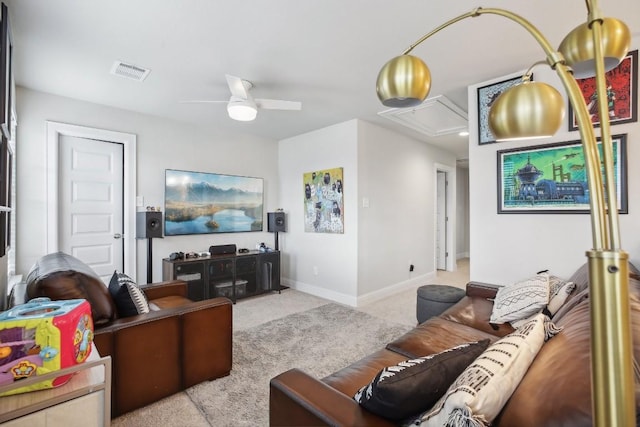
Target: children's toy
{"x":42,"y":336}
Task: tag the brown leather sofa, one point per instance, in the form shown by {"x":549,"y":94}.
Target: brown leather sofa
{"x":178,"y":344}
{"x":554,"y":392}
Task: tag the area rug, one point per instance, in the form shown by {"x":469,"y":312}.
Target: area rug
{"x":318,"y":341}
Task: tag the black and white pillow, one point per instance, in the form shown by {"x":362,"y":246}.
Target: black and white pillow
{"x":415,"y":385}
{"x":521,"y":300}
{"x":559,"y":291}
{"x":127,"y":296}
{"x":478,"y":395}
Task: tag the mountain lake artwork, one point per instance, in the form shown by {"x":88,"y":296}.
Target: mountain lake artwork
{"x":205,"y":203}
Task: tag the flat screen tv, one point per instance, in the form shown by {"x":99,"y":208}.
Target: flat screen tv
{"x":205,"y":203}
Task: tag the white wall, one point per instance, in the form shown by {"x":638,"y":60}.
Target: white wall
{"x":462,"y":212}
{"x":334,"y":256}
{"x":509,"y":247}
{"x":397,"y":175}
{"x":161,"y":144}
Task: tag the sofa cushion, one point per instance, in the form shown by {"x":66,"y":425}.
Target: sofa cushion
{"x":480,"y":392}
{"x":521,"y":300}
{"x":60,"y":276}
{"x":129,"y":299}
{"x":433,"y":336}
{"x":415,"y":385}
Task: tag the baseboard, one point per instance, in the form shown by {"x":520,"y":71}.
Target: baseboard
{"x":396,"y":288}
{"x":462,"y":255}
{"x":357,"y":301}
{"x":321,"y":292}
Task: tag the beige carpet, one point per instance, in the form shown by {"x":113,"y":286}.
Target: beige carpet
{"x":197,"y":407}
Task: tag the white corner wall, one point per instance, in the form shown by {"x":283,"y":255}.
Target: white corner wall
{"x":397,"y":177}
{"x":162,"y":144}
{"x":322,"y":264}
{"x":508,"y":247}
{"x":462,"y":212}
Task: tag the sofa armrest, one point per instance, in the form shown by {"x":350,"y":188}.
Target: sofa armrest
{"x":482,"y":290}
{"x":297,"y":399}
{"x":165,"y":289}
{"x":149,"y":351}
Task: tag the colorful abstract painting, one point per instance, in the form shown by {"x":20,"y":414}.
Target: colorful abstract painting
{"x":324,"y":201}
{"x":622,"y":94}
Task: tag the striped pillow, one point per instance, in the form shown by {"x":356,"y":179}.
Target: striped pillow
{"x":127,"y":296}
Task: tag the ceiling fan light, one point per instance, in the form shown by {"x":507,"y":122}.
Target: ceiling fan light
{"x":242,"y":111}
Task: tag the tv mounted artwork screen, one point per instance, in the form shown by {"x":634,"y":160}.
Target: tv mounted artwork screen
{"x":205,"y":203}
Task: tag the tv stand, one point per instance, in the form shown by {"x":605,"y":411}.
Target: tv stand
{"x":233,"y":276}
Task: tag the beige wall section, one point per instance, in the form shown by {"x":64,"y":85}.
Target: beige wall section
{"x":462,"y":212}
{"x":162,"y":144}
{"x":323,"y":264}
{"x":395,"y":175}
{"x":509,"y":247}
{"x":398,"y":177}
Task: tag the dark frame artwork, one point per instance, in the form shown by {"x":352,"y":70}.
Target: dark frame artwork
{"x":6,"y":77}
{"x":207,"y":203}
{"x":486,"y":97}
{"x":622,"y":90}
{"x":552,"y":178}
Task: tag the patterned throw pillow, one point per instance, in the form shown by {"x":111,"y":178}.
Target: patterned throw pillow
{"x":559,"y":291}
{"x":478,"y":395}
{"x":415,"y":385}
{"x":127,"y":296}
{"x":521,"y":300}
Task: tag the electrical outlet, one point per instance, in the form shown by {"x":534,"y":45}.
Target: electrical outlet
{"x":315,"y":270}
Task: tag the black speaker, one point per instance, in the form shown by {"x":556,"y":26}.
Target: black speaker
{"x":222,"y":249}
{"x":149,"y":224}
{"x":276,"y":221}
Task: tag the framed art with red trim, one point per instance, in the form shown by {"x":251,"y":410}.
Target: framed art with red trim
{"x":622,"y":94}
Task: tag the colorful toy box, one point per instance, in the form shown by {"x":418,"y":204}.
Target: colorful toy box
{"x":43,"y":336}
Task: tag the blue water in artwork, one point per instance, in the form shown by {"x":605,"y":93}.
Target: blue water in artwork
{"x":229,"y":220}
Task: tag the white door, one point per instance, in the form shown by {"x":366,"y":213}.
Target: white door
{"x":90,"y":189}
{"x":441,"y":221}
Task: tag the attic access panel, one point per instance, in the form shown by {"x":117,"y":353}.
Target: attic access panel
{"x":434,"y":117}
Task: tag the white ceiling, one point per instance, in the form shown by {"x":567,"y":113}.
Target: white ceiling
{"x":325,"y":54}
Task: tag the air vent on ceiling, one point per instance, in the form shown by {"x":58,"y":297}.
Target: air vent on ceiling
{"x":129,"y":71}
{"x":434,"y":117}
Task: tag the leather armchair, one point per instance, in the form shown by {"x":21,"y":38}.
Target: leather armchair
{"x":178,"y":344}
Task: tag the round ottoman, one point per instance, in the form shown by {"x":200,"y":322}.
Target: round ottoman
{"x":435,"y":299}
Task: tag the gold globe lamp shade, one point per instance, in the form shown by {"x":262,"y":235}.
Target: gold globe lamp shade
{"x":528,"y":110}
{"x":577,"y":47}
{"x":404,"y":81}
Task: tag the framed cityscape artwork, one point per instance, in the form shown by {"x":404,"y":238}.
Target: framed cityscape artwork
{"x":487,"y":95}
{"x":324,"y":201}
{"x":552,"y":178}
{"x":622,"y":94}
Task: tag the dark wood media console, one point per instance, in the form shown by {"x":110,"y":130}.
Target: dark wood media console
{"x":231,"y":275}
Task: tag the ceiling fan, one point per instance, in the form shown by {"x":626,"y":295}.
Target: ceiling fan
{"x":244,"y":107}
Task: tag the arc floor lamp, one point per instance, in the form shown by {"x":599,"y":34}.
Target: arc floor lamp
{"x":535,"y":109}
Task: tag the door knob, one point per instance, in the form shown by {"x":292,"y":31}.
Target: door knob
{"x":117,"y":236}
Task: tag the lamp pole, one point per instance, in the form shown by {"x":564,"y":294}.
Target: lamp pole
{"x":612,"y":385}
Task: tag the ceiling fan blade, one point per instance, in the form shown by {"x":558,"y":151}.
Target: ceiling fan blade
{"x":237,"y":87}
{"x":277,"y":104}
{"x":201,"y":101}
